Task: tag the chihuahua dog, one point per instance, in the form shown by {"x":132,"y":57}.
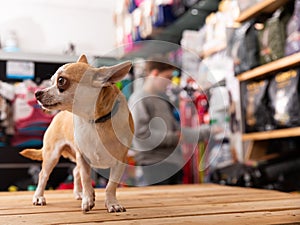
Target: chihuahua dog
{"x":102,"y":125}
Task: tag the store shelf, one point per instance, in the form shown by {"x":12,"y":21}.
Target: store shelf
{"x":265,"y":6}
{"x":279,"y":64}
{"x":168,"y":38}
{"x":282,"y":133}
{"x":37,"y":57}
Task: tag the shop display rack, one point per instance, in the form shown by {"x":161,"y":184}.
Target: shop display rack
{"x":13,"y":166}
{"x":268,"y":70}
{"x":265,"y":6}
{"x":256,"y":142}
{"x":272,"y":134}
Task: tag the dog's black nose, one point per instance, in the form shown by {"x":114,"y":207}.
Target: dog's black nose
{"x":38,"y":94}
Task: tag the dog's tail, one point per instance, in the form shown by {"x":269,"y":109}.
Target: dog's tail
{"x":34,"y":154}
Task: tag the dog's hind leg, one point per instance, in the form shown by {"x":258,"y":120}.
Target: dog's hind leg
{"x":77,"y":184}
{"x":115,"y":176}
{"x":50,"y":159}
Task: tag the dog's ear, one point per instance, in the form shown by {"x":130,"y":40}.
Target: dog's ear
{"x":112,"y":74}
{"x":83,"y":59}
{"x":117,"y":72}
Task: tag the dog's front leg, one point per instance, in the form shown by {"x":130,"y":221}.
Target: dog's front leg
{"x":88,"y":194}
{"x":77,"y":183}
{"x":115,"y":176}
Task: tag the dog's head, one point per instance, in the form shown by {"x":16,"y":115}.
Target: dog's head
{"x":72,"y":78}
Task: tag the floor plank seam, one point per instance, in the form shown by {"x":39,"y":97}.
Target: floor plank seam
{"x":174,"y":216}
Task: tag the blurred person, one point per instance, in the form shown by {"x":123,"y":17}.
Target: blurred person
{"x":157,"y":131}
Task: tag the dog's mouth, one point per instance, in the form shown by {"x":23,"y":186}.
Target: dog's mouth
{"x":49,"y":106}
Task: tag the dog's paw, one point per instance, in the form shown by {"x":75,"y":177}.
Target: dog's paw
{"x":39,"y":200}
{"x":87,"y":204}
{"x":114,"y":207}
{"x":78,"y":195}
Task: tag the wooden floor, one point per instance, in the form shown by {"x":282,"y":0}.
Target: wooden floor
{"x":179,"y":204}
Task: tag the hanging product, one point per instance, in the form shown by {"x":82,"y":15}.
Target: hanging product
{"x":163,"y":15}
{"x":283,"y":93}
{"x":272,"y":36}
{"x":292,"y":44}
{"x":243,"y":47}
{"x":257,"y":114}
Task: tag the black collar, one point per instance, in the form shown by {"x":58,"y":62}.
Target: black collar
{"x":109,"y":115}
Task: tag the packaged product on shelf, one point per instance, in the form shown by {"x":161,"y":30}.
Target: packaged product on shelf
{"x":292,"y":43}
{"x":256,"y":111}
{"x":284,"y":96}
{"x":6,"y":113}
{"x":3,"y":117}
{"x":217,"y":24}
{"x":242,"y":47}
{"x":272,"y":36}
{"x":218,"y":111}
{"x":30,"y":121}
{"x":145,"y":27}
{"x":215,"y":32}
{"x":220,"y":155}
{"x":213,"y":70}
{"x":163,"y":13}
{"x":191,"y":43}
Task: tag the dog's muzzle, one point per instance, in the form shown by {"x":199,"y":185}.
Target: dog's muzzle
{"x":38,"y":95}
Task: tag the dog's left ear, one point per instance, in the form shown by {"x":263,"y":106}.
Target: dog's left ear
{"x":112,"y":74}
{"x":83,"y":59}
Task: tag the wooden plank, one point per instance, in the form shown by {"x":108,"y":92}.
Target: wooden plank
{"x":281,"y":217}
{"x":64,"y":205}
{"x":266,"y":6}
{"x":256,"y":150}
{"x":274,"y":66}
{"x":61,"y":217}
{"x":157,"y":204}
{"x":265,"y":135}
{"x":143,"y":192}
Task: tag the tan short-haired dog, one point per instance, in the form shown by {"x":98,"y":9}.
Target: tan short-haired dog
{"x":103,"y":126}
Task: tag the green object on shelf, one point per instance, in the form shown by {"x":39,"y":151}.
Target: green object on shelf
{"x":31,"y":188}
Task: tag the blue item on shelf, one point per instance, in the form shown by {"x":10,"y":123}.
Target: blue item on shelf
{"x":132,"y":6}
{"x":164,"y":16}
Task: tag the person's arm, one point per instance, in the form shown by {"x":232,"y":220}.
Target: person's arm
{"x":150,"y":132}
{"x":195,"y":134}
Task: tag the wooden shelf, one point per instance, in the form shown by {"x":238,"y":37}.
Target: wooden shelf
{"x":265,"y":6}
{"x":282,"y":133}
{"x":279,"y":64}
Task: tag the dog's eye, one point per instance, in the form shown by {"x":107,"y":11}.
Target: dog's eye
{"x":62,"y":84}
